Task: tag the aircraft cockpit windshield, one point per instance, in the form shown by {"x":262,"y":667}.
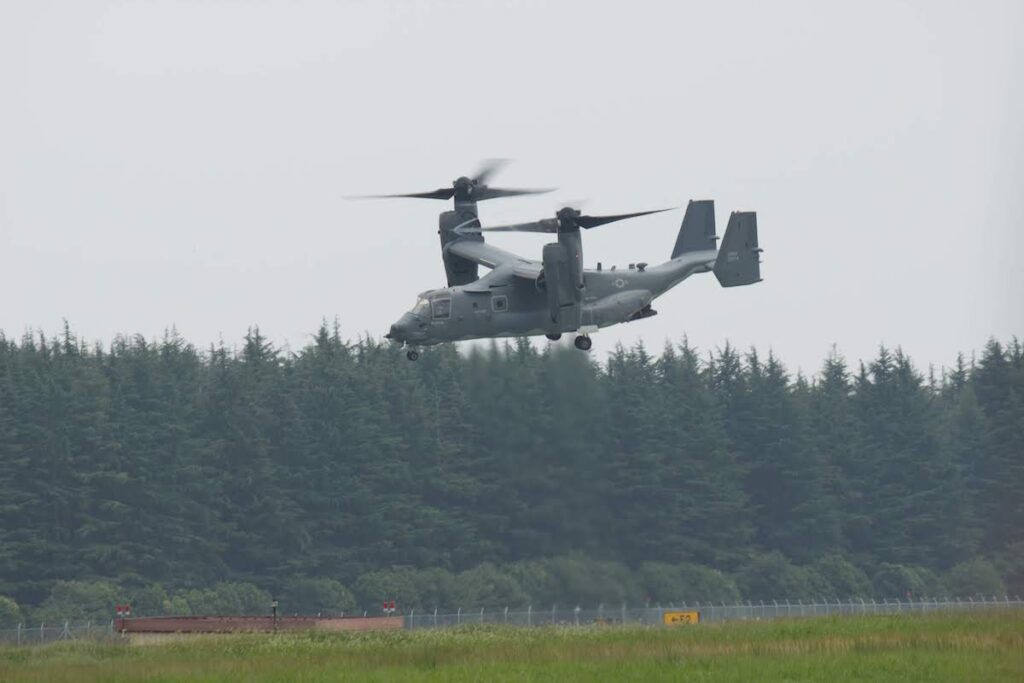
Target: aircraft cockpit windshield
{"x":422,"y":308}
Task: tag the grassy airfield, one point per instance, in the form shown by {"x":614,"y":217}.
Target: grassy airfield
{"x":959,"y":647}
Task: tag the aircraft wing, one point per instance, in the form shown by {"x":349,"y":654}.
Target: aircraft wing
{"x":490,"y":256}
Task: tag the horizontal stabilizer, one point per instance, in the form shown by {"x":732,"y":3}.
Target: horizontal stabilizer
{"x":739,"y":259}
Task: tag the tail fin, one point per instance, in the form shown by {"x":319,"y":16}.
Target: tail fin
{"x":697,"y":232}
{"x":739,"y":260}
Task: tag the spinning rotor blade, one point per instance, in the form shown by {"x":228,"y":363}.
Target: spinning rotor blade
{"x":568,"y":219}
{"x":488,"y":168}
{"x":545,"y":225}
{"x":467,"y":189}
{"x":442,"y":193}
{"x":485,"y":192}
{"x":594,"y":221}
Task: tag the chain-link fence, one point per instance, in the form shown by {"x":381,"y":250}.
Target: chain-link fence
{"x":41,"y":634}
{"x":709,"y":612}
{"x":577,"y":616}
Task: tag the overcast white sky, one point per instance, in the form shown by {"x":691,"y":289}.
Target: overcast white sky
{"x":184,"y":162}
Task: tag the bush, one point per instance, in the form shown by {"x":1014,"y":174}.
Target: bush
{"x":435,"y":588}
{"x":590,"y":583}
{"x":773,"y":577}
{"x":685,"y":583}
{"x":178,"y":605}
{"x":373,"y":588}
{"x":226,"y":598}
{"x":1010,"y":563}
{"x":10,"y":613}
{"x":843,"y":578}
{"x":905,"y":582}
{"x":489,"y":587}
{"x":148,"y":601}
{"x":316,"y":596}
{"x":575,"y":580}
{"x":973,"y":578}
{"x":537,"y":581}
{"x":79,"y":601}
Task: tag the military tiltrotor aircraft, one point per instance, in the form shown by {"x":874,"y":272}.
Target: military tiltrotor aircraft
{"x":556,"y":294}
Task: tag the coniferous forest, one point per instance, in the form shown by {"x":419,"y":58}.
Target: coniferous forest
{"x":342,"y":473}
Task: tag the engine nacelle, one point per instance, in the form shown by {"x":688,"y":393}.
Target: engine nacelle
{"x":557,"y":280}
{"x":460,"y":271}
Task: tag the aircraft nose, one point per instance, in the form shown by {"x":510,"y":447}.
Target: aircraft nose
{"x":407,"y":329}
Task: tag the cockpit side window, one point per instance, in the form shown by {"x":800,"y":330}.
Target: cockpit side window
{"x":442,"y":308}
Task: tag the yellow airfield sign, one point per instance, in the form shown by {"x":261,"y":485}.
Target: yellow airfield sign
{"x":673,"y":618}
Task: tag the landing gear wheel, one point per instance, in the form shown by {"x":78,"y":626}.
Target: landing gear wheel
{"x":583,"y":343}
{"x":554,"y":337}
{"x":412,"y":354}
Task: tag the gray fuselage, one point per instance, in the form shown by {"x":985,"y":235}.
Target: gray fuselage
{"x":504,"y":304}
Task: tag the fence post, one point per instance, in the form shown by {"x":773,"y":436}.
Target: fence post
{"x":623,"y":614}
{"x":42,"y":636}
{"x":552,"y":615}
{"x":529,"y":615}
{"x":458,"y":617}
{"x":19,"y":633}
{"x":506,"y":614}
{"x":435,"y":617}
{"x":481,"y":615}
{"x":412,"y":618}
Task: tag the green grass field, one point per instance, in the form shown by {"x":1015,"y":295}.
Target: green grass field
{"x":958,"y":647}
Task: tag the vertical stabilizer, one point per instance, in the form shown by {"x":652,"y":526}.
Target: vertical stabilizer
{"x":697,"y":233}
{"x":739,"y":259}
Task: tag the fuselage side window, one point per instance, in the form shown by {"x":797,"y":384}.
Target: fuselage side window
{"x":442,"y":308}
